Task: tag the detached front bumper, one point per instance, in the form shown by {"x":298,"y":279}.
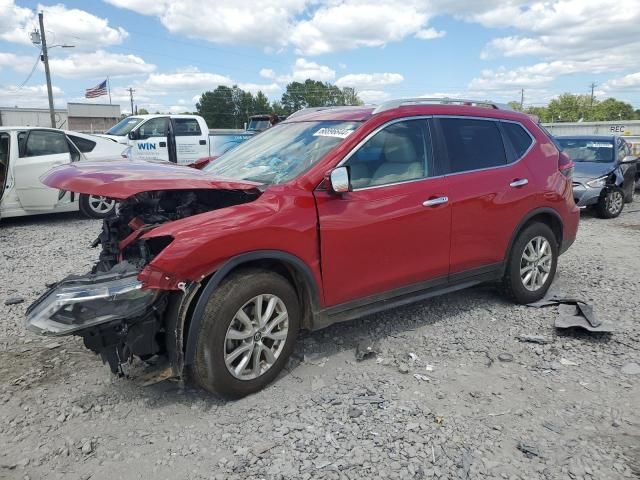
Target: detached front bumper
{"x":83,"y":302}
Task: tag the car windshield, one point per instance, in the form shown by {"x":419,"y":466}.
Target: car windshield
{"x":282,"y":152}
{"x":588,"y":150}
{"x":259,"y":125}
{"x":124,"y":126}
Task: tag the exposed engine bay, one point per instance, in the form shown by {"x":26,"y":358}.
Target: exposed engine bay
{"x":110,"y":307}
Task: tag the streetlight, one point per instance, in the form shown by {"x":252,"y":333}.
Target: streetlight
{"x":37,"y":38}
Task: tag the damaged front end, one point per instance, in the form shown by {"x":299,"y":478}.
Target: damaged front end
{"x":111,"y":307}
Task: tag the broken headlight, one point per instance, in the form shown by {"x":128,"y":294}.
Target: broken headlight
{"x":598,"y":182}
{"x":79,"y":303}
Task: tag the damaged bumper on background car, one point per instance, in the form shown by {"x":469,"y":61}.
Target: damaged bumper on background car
{"x":113,"y":307}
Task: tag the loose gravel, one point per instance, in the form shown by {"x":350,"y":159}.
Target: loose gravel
{"x":447,"y":388}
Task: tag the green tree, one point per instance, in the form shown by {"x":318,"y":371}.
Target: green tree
{"x":515,"y":106}
{"x":350,"y":97}
{"x":313,"y":93}
{"x":261,"y":103}
{"x":217,"y":107}
{"x":571,"y":108}
{"x":143,"y":111}
{"x":541,"y":112}
{"x":612,"y":109}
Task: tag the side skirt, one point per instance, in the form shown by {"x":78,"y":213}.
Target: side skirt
{"x":407,"y":295}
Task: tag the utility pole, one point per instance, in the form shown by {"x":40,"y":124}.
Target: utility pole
{"x":45,"y":59}
{"x":593,"y":86}
{"x":522,"y":99}
{"x":131,"y":90}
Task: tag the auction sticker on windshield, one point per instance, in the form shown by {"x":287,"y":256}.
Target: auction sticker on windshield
{"x":333,"y":132}
{"x":599,"y":145}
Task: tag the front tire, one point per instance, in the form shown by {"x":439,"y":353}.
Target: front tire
{"x":611,"y":204}
{"x":249,"y":328}
{"x":532,"y":264}
{"x":96,"y":206}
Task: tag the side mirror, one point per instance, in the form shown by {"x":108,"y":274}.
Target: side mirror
{"x":629,"y":159}
{"x":339,"y":180}
{"x":133,"y":135}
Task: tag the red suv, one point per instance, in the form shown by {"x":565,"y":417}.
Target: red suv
{"x":332,"y":214}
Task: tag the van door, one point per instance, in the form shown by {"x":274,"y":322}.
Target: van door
{"x":40,"y":151}
{"x":191,"y":141}
{"x":151,"y":140}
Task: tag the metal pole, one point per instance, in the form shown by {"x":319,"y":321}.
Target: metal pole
{"x":45,"y":58}
{"x":131,"y":97}
{"x":109,"y":89}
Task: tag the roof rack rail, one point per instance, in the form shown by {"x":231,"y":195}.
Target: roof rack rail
{"x":388,"y":105}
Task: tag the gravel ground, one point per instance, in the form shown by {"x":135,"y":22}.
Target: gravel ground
{"x":436,"y":402}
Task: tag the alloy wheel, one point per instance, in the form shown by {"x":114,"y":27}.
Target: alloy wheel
{"x":256,"y":337}
{"x":100,"y":205}
{"x":614,"y":202}
{"x":535,"y":263}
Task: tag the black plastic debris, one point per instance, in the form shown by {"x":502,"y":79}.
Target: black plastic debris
{"x":366,"y":349}
{"x":529,"y":450}
{"x":572,"y":312}
{"x":13,"y":300}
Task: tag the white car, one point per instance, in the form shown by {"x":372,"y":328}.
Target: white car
{"x":28,"y":152}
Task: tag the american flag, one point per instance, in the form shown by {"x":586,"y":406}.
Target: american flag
{"x":97,"y":91}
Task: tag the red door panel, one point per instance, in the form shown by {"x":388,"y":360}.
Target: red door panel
{"x":485,"y":213}
{"x":378,"y":239}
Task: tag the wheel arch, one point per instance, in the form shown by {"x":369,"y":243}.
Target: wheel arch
{"x":296,"y":271}
{"x":547,"y":216}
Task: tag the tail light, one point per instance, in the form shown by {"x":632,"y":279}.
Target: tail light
{"x":565,"y":165}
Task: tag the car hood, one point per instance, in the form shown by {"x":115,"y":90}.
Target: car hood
{"x":590,"y":170}
{"x":115,"y":138}
{"x":124,"y":179}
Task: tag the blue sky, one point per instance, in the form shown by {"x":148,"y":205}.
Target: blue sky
{"x":171,"y":51}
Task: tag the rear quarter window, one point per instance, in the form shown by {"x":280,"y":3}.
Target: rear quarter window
{"x":84,"y":145}
{"x":518,"y":138}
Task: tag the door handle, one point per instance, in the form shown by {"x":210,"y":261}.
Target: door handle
{"x":432,"y":202}
{"x":520,"y":182}
{"x":203,"y":142}
{"x":163,"y":144}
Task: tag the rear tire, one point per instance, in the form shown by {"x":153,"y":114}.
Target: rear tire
{"x":611,"y":204}
{"x":237,"y":351}
{"x":628,"y":196}
{"x":96,"y":206}
{"x":532,"y":264}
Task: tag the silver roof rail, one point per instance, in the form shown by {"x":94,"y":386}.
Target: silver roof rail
{"x":388,"y":105}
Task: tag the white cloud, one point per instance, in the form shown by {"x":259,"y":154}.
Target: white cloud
{"x":266,"y":88}
{"x":223,"y":21}
{"x":301,"y":70}
{"x":627,"y":82}
{"x":350,"y":24}
{"x":373,"y":96}
{"x":310,"y":26}
{"x":369,"y":80}
{"x":19,"y":63}
{"x":185,"y":80}
{"x":30,"y":96}
{"x":99,"y":64}
{"x":267,"y":73}
{"x":430,"y":34}
{"x":62,"y":26}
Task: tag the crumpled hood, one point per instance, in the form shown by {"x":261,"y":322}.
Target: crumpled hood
{"x":591,"y":170}
{"x":124,"y":179}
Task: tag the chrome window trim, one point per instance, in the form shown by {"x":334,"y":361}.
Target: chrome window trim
{"x":371,"y":135}
{"x":450,"y":174}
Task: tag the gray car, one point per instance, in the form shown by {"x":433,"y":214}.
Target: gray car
{"x":605,"y":172}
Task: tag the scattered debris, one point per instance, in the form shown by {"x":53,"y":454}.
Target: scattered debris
{"x":440,"y":420}
{"x":354,"y":412}
{"x":568,"y":363}
{"x":630,"y":368}
{"x":403,"y":368}
{"x":552,"y":426}
{"x":261,"y":448}
{"x":87,"y":447}
{"x":530,"y":451}
{"x":429,"y":368}
{"x":423,"y":378}
{"x":580,"y":315}
{"x":412,"y":356}
{"x":13,"y":300}
{"x":366,"y":349}
{"x":540,"y":339}
{"x":505,"y":357}
{"x":367,"y":400}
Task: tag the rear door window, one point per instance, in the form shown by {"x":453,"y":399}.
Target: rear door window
{"x":518,"y":138}
{"x":472,"y":144}
{"x":44,"y":142}
{"x":186,"y":127}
